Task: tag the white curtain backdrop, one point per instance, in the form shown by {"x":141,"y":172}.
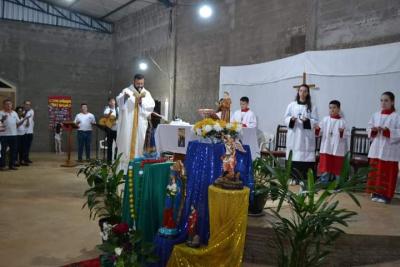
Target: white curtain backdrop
{"x":356,"y":77}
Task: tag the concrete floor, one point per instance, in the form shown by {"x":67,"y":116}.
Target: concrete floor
{"x":42,"y":223}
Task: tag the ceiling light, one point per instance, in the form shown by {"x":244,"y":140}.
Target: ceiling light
{"x":205,"y":11}
{"x":143,"y":66}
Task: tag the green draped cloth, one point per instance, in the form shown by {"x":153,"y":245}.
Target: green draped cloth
{"x":149,"y":197}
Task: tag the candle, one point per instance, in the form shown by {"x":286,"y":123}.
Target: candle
{"x":166,"y":109}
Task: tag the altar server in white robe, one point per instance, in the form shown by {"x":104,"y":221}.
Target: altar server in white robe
{"x":301,"y":119}
{"x":135,"y":106}
{"x":332,"y":130}
{"x":384,"y":152}
{"x":245,"y":116}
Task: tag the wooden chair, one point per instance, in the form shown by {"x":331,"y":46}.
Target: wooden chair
{"x":359,"y":148}
{"x":280,"y":142}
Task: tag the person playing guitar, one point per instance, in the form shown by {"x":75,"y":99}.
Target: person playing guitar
{"x":109,"y":121}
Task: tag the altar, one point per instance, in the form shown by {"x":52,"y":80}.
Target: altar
{"x":175,"y":138}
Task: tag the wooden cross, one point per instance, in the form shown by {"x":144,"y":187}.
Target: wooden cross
{"x":312,"y":86}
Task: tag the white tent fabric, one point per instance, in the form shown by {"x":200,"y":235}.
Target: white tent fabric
{"x":356,"y":77}
{"x":380,"y":59}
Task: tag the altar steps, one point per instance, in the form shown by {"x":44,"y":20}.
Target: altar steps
{"x":373,"y":237}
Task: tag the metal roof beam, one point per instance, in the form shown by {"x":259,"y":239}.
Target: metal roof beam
{"x":36,"y":11}
{"x":118,"y":9}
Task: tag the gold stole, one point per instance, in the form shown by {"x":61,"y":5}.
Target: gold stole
{"x":135,"y":123}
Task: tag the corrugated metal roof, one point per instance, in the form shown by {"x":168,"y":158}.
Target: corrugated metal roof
{"x":99,"y":8}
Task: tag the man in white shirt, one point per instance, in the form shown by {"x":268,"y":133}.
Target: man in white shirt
{"x":111,"y":112}
{"x":245,"y":116}
{"x":8,"y":138}
{"x":29,"y":114}
{"x":84,"y":120}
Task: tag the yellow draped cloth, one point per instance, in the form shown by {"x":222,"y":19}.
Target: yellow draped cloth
{"x":134,"y":129}
{"x":228,"y":223}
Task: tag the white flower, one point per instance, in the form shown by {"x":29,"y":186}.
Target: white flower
{"x":208,"y":128}
{"x":217,"y":127}
{"x":229,"y":125}
{"x":198,"y":131}
{"x":118,"y":251}
{"x":104,"y":236}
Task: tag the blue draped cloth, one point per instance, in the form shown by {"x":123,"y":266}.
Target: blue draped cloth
{"x":203,"y":166}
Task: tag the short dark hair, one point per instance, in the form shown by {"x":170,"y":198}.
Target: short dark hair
{"x":335,"y":102}
{"x":6,"y":100}
{"x":18,"y":108}
{"x":83,"y":104}
{"x":138,"y":77}
{"x":111,"y":98}
{"x":244,"y":99}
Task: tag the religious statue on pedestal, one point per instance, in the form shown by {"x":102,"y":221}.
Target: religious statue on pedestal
{"x":174,"y":201}
{"x":224,"y":108}
{"x":193,"y":238}
{"x":230,"y":179}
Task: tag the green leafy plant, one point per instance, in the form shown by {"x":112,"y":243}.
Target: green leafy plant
{"x":263,"y":182}
{"x":124,"y":247}
{"x":316,"y":220}
{"x":103,"y":197}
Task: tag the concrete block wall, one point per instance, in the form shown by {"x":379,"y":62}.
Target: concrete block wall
{"x":139,"y":37}
{"x":44,"y":60}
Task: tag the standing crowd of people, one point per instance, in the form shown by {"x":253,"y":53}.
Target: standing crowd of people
{"x":16,"y":134}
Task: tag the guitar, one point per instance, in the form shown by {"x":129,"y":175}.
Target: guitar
{"x":108,"y":122}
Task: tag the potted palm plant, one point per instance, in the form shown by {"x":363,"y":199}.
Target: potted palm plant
{"x":264,"y":187}
{"x":103,"y":197}
{"x":304,"y":238}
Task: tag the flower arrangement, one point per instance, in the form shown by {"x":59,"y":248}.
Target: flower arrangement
{"x":210,"y":128}
{"x":123,"y":246}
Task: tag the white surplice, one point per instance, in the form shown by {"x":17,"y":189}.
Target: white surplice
{"x":331,"y":142}
{"x":383,"y":148}
{"x":248,"y":118}
{"x":125,"y":124}
{"x":299,"y":140}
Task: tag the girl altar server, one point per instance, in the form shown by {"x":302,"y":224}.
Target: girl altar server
{"x":301,"y":119}
{"x":384,"y":153}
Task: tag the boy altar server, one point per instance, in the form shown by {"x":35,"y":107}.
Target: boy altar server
{"x":245,"y":116}
{"x":333,"y":143}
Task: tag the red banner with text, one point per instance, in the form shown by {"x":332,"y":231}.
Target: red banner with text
{"x":60,"y":110}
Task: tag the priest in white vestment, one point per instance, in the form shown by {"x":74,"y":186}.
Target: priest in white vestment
{"x":245,"y":116}
{"x":135,"y":106}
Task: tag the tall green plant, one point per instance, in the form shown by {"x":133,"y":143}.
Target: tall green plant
{"x":304,"y":237}
{"x":103,"y":197}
